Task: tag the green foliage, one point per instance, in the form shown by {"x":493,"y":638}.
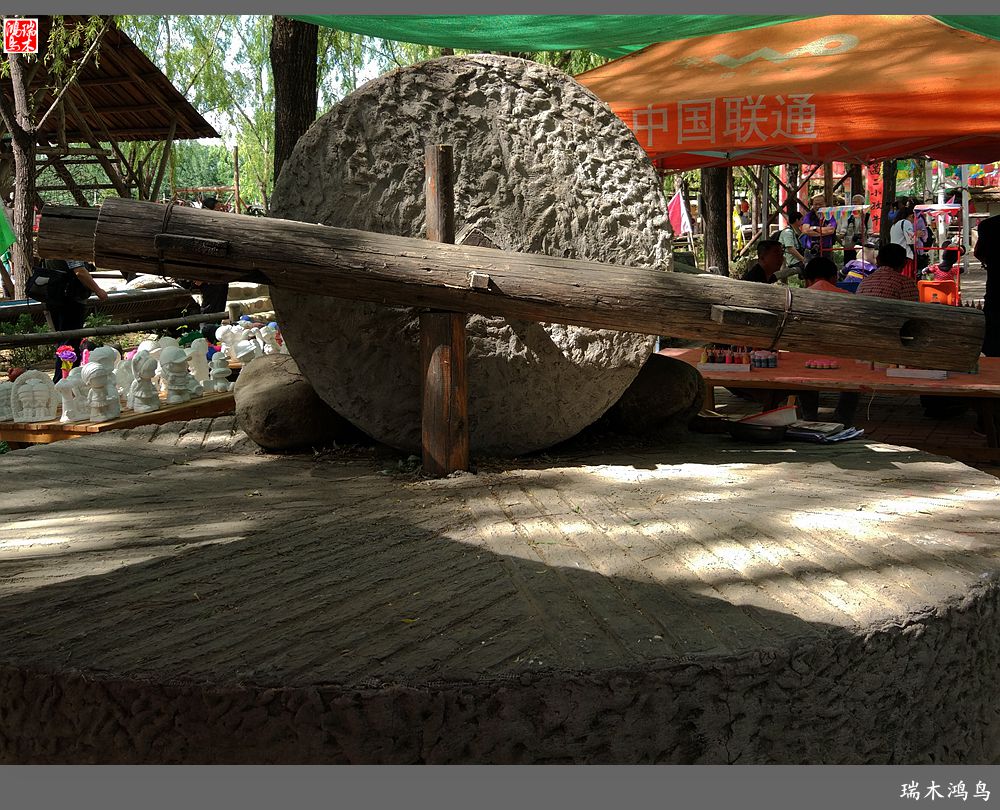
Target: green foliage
{"x":63,"y":39}
{"x":222,"y":64}
{"x":25,"y":356}
{"x":194,"y":164}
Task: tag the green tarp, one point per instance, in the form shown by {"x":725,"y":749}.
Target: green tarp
{"x":610,"y":35}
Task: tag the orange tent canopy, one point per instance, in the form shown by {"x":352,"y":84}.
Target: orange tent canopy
{"x":847,"y":88}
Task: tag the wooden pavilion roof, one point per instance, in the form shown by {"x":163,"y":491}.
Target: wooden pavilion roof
{"x":123,"y":94}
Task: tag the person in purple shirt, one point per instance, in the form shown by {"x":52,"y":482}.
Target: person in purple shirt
{"x":818,"y":232}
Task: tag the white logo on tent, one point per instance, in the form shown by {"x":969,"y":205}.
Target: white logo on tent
{"x":825,"y":46}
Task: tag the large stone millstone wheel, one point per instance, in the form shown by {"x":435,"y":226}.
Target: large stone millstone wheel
{"x":541,"y":165}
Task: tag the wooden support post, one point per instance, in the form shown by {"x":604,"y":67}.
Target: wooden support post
{"x":729,"y":215}
{"x":109,"y":168}
{"x":154,"y":192}
{"x":71,"y":185}
{"x":236,"y":178}
{"x":445,"y":409}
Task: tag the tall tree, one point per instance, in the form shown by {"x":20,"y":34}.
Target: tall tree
{"x":713,"y":216}
{"x":295,"y":69}
{"x":20,"y":117}
{"x":19,"y":121}
{"x":888,"y":198}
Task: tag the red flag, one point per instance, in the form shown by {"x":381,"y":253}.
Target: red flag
{"x":679,"y":220}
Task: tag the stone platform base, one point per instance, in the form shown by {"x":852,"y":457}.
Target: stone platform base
{"x":168,"y":594}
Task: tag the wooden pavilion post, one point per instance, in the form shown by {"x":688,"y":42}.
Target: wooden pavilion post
{"x":444,"y":385}
{"x":730,"y":202}
{"x":236,"y":178}
{"x":168,"y":144}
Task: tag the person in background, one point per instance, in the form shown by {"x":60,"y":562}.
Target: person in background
{"x":987,"y":250}
{"x":888,"y":281}
{"x":898,"y":206}
{"x":769,"y":260}
{"x":923,"y":238}
{"x":72,"y":285}
{"x":213,"y":295}
{"x":853,"y":231}
{"x":818,"y":232}
{"x":789,"y":239}
{"x":821,"y":274}
{"x":902,"y":233}
{"x":860,"y":268}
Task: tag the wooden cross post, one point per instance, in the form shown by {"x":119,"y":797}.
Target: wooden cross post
{"x":444,"y":385}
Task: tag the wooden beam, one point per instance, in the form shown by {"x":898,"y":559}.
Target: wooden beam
{"x":107,"y":136}
{"x":151,"y":89}
{"x":84,"y":187}
{"x":118,"y":109}
{"x":236,"y":177}
{"x":41,"y":338}
{"x":400,"y":271}
{"x":73,"y":150}
{"x":109,"y":168}
{"x":113,"y":80}
{"x":444,"y":424}
{"x":154,"y":192}
{"x":71,"y":185}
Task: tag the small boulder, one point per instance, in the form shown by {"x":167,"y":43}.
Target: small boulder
{"x":279,"y":410}
{"x":666,"y":394}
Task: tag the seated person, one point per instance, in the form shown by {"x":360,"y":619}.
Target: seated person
{"x":946,"y":269}
{"x":770,"y":255}
{"x":888,"y":281}
{"x":859,"y":268}
{"x":821,"y":274}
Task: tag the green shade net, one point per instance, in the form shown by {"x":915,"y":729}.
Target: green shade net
{"x":609,"y":35}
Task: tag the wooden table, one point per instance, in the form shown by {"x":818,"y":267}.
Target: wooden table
{"x":22,"y":433}
{"x":854,"y":375}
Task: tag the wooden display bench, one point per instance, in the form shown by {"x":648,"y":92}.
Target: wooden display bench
{"x":792,"y":375}
{"x":17,"y":434}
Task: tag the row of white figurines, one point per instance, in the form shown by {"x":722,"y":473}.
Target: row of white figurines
{"x":242,"y":341}
{"x":107,"y":384}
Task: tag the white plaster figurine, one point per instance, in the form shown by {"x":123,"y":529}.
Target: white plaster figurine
{"x":199,"y":359}
{"x":6,"y":388}
{"x":143,"y":394}
{"x":124,"y":377}
{"x":219,"y":373}
{"x":176,"y":375}
{"x":74,"y":397}
{"x":108,"y":357}
{"x":269,"y":337}
{"x":34,"y":398}
{"x":103,"y":395}
{"x":227,"y":335}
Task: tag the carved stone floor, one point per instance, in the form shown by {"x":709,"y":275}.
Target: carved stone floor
{"x":170,"y":594}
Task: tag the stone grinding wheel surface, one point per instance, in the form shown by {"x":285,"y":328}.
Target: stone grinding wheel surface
{"x":542,"y":166}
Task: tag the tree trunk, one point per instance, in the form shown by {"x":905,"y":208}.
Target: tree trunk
{"x":792,"y":203}
{"x":857,"y":179}
{"x":713,"y":216}
{"x":293,"y":60}
{"x":888,"y":198}
{"x":401,"y":271}
{"x":22,"y":136}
